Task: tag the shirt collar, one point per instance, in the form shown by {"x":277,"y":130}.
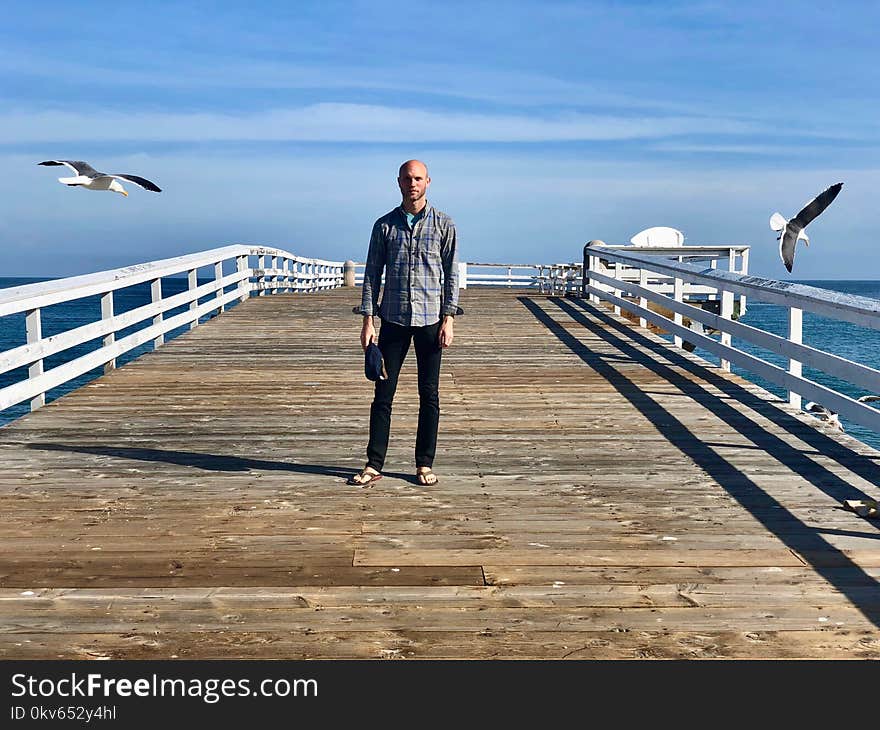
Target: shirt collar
{"x":424,"y":213}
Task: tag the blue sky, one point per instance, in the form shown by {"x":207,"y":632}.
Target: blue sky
{"x":544,"y":125}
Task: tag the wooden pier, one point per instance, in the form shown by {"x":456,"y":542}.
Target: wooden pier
{"x":601,"y":495}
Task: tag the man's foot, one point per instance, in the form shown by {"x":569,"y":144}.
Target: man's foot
{"x":364,"y":477}
{"x":426,"y":477}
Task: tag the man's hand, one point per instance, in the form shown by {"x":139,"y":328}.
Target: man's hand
{"x":368,"y":332}
{"x":446,"y":334}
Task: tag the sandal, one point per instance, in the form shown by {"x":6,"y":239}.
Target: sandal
{"x":365,"y":477}
{"x":426,"y":477}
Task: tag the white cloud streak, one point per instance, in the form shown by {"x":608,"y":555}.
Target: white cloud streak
{"x":349,"y":123}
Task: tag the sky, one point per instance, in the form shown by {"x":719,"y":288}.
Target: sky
{"x":543,"y":124}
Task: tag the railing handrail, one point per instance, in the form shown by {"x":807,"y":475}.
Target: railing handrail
{"x":41,"y":294}
{"x":680,"y":250}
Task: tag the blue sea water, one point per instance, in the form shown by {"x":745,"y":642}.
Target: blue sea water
{"x":847,"y":340}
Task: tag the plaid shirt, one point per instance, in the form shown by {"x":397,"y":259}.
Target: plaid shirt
{"x":421,"y":269}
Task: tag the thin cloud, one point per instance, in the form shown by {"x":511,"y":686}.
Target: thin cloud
{"x":350,"y":123}
{"x":197,"y":71}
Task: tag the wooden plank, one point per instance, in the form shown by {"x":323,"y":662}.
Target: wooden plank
{"x":483,"y":644}
{"x":697,"y":595}
{"x":158,"y":618}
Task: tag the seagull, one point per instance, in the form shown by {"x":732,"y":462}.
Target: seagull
{"x":792,"y":231}
{"x":88,"y":177}
{"x":868,"y":398}
{"x":829,"y":417}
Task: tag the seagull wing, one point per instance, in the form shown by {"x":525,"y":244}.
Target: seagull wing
{"x":140,"y":181}
{"x":869,"y":398}
{"x":78,"y":166}
{"x":786,"y":246}
{"x":812,"y":209}
{"x":777,"y":222}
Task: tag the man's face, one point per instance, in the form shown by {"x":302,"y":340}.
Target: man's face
{"x":413,"y":181}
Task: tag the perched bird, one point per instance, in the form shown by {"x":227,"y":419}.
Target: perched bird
{"x":88,"y":177}
{"x":792,"y":231}
{"x":829,"y":417}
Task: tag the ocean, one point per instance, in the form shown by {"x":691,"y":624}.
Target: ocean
{"x":841,"y":338}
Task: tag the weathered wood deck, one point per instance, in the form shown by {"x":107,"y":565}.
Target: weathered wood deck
{"x":601,"y":496}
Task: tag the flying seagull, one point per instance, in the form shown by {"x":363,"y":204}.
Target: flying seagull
{"x":88,"y":177}
{"x":829,"y":417}
{"x":792,"y":231}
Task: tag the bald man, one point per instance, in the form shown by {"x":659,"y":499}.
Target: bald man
{"x":415,"y":245}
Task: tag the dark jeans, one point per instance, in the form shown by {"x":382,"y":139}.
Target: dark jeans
{"x":394,"y":343}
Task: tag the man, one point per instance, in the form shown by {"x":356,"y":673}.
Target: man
{"x":416,"y":246}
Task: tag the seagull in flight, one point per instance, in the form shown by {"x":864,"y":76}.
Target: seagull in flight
{"x":88,"y":177}
{"x":792,"y":231}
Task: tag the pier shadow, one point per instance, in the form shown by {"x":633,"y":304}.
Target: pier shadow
{"x":210,"y":462}
{"x":867,"y":467}
{"x":808,"y":542}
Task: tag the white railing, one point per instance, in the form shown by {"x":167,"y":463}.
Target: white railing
{"x":545,"y":278}
{"x":564,"y":278}
{"x":736,"y":257}
{"x":600,"y":284}
{"x":275,"y":270}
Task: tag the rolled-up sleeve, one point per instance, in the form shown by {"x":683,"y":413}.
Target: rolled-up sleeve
{"x":373,"y":272}
{"x":449,"y":257}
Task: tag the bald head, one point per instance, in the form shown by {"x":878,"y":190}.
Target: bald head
{"x":419,"y":165}
{"x":413,"y":180}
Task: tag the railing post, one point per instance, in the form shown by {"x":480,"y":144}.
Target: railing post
{"x":34,"y":330}
{"x":731,"y":266}
{"x":156,"y":296}
{"x":244,"y":285}
{"x":193,"y":282}
{"x":110,"y":337}
{"x":591,"y":263}
{"x":726,"y":313}
{"x":218,"y":274}
{"x":744,"y":270}
{"x":261,"y":282}
{"x":462,"y":274}
{"x":617,"y":292}
{"x":643,"y":301}
{"x":348,"y":273}
{"x":796,"y":335}
{"x":678,"y":296}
